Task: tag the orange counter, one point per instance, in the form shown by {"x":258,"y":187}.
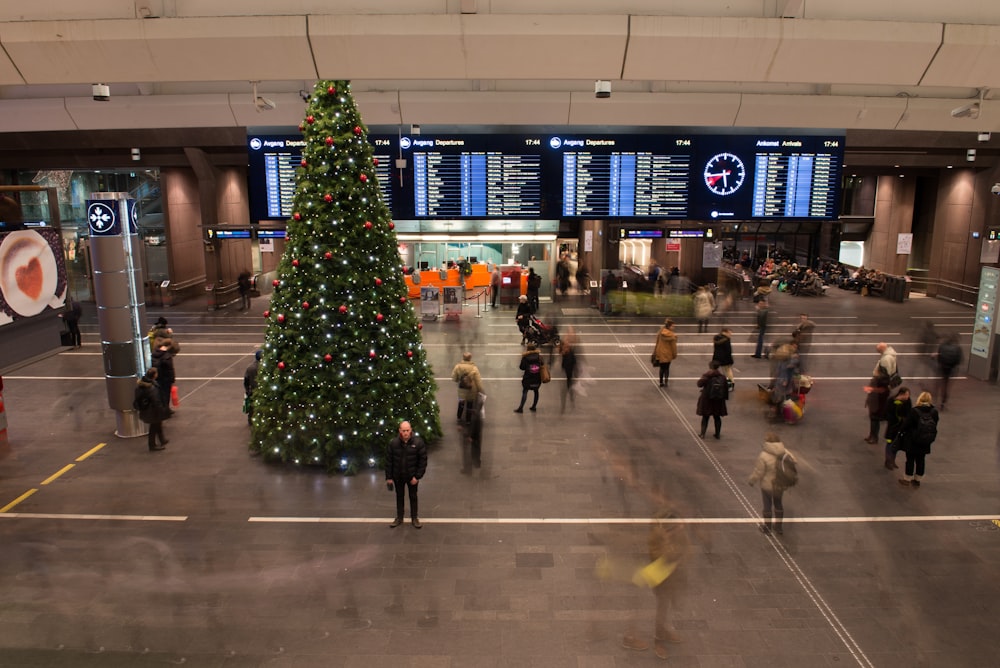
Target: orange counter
{"x":480,"y":278}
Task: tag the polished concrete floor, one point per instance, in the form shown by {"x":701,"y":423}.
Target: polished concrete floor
{"x":202,"y":555}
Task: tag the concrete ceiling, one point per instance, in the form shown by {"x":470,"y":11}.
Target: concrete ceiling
{"x":836,"y":64}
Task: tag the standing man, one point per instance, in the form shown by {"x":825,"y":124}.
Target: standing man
{"x":494,"y":285}
{"x":761,"y":327}
{"x":151,"y":410}
{"x":802,"y":334}
{"x":72,"y":318}
{"x":470,"y":384}
{"x":244,"y":284}
{"x":405,"y":464}
{"x":878,"y":389}
{"x":534,"y":284}
{"x":163,"y":362}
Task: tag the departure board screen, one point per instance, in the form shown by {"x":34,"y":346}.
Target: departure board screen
{"x":477,"y":176}
{"x":273,"y":161}
{"x":624,"y":177}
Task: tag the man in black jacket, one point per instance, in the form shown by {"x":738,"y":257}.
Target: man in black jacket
{"x":405,"y":464}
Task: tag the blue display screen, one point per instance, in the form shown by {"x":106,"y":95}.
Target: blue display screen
{"x":711,"y":176}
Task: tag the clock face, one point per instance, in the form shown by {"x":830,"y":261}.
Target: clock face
{"x":724,"y":174}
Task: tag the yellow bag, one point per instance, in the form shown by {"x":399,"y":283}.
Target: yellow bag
{"x":655,"y":573}
{"x":544,"y":372}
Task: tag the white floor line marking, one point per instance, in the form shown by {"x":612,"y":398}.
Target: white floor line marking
{"x":594,"y":521}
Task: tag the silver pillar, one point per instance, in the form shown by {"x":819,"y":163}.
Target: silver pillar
{"x":121,"y":307}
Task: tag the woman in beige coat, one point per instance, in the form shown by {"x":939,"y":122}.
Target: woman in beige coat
{"x":665,"y":351}
{"x":764,"y":471}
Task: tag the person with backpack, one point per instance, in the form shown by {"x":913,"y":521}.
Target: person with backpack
{"x":470,"y":385}
{"x":776,"y":469}
{"x":712,"y":400}
{"x":250,"y":384}
{"x":949,"y":356}
{"x":665,"y":351}
{"x":919,"y":431}
{"x":899,"y":407}
{"x":147,"y":402}
{"x":531,"y":379}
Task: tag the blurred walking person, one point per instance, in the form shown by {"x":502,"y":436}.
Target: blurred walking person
{"x":722,"y":352}
{"x":773,"y":455}
{"x":949,"y":357}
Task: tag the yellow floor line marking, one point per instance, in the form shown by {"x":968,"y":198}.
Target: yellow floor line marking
{"x":58,"y":473}
{"x":17,"y":500}
{"x":90,"y":452}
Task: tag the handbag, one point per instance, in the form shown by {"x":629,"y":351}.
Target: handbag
{"x":653,"y":360}
{"x":544,"y":373}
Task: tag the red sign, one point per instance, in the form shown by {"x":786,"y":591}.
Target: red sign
{"x":673,"y":246}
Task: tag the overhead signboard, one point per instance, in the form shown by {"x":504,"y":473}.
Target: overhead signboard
{"x":733,"y":177}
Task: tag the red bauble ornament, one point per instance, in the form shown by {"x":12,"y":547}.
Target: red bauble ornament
{"x":297,"y":216}
{"x":310,"y":119}
{"x":409,"y":353}
{"x":357,"y":129}
{"x":328,"y":198}
{"x":378,"y":281}
{"x":327,"y":255}
{"x":331,"y":90}
{"x":368,"y":224}
{"x":375,"y":161}
{"x":267,"y":314}
{"x":301,"y":127}
{"x":364,"y":178}
{"x":304,"y":163}
{"x":392,"y":225}
{"x":420,"y":325}
{"x":329,"y":141}
{"x":305,"y":305}
{"x":343,"y":308}
{"x":295,"y":263}
{"x":371,"y":355}
{"x":380,"y":317}
{"x":402,"y":300}
{"x":281,"y":317}
{"x":281,"y":365}
{"x":328,"y":358}
{"x":275,"y":283}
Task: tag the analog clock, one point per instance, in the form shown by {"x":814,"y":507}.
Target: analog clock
{"x":724,"y":174}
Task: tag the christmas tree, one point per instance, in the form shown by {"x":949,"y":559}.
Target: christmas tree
{"x":343,"y":363}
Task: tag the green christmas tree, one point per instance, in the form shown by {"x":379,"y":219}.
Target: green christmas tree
{"x":343,"y":360}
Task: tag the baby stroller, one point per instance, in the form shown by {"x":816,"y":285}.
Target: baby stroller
{"x":538,"y":333}
{"x":785,"y":401}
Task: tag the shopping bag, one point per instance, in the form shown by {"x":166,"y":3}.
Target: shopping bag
{"x":175,"y":398}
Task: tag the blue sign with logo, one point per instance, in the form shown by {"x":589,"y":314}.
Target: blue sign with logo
{"x":102,"y":216}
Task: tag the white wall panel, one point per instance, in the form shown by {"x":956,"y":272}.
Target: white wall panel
{"x":855,"y":52}
{"x":544,"y":47}
{"x":970,"y":56}
{"x":485,"y":108}
{"x":41,"y":115}
{"x":160,"y":111}
{"x":802,"y":111}
{"x":388,"y":47}
{"x":680,"y":109}
{"x":701,"y":48}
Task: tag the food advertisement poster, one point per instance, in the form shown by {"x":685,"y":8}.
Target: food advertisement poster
{"x":32,"y":274}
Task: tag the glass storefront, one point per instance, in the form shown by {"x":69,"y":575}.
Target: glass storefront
{"x":73,"y":189}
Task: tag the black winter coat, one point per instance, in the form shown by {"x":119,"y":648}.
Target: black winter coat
{"x":406,"y":460}
{"x":909,"y":429}
{"x":708,"y":406}
{"x":531,"y":379}
{"x":147,"y":402}
{"x":722,"y":349}
{"x":163,"y":360}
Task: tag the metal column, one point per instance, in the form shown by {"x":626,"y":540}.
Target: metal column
{"x":121,"y":309}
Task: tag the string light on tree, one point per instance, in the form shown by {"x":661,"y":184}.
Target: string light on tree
{"x":343,"y":363}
